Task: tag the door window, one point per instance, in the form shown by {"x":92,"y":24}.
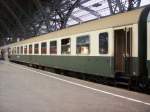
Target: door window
{"x":103,"y":43}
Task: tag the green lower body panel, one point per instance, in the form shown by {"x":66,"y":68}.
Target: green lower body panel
{"x":103,"y":66}
{"x":148,"y":67}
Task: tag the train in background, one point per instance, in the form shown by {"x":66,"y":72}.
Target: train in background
{"x":116,"y":47}
{"x":5,"y":53}
{"x":2,"y":54}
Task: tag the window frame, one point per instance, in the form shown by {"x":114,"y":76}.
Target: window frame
{"x":42,"y":48}
{"x":65,"y":45}
{"x":89,"y":46}
{"x":15,"y":52}
{"x":25,"y":53}
{"x":18,"y":50}
{"x":99,"y":45}
{"x":37,"y":48}
{"x":56,"y":48}
{"x":30,"y":52}
{"x":21,"y":50}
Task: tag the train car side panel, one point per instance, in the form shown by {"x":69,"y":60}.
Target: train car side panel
{"x":85,"y":64}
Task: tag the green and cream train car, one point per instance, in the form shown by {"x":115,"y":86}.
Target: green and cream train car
{"x":110,"y":47}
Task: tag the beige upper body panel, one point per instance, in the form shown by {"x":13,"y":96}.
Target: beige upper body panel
{"x":131,"y":17}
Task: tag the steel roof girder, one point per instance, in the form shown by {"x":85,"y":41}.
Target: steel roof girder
{"x":13,"y":15}
{"x":90,"y":10}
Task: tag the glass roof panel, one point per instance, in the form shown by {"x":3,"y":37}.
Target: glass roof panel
{"x":99,"y":7}
{"x":92,"y":2}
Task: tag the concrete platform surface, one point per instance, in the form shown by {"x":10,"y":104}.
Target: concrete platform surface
{"x":25,"y":89}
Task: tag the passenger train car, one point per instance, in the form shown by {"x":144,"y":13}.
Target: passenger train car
{"x":113,"y":46}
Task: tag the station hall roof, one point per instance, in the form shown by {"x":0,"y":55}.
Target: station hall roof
{"x":29,"y":18}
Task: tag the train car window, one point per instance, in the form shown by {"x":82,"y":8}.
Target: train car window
{"x":25,"y":49}
{"x":36,"y":48}
{"x":43,"y":48}
{"x":83,"y":45}
{"x":9,"y":52}
{"x":18,"y":50}
{"x":65,"y":46}
{"x":53,"y":47}
{"x":12,"y":51}
{"x":15,"y":50}
{"x":21,"y":49}
{"x":30,"y":49}
{"x":103,"y":43}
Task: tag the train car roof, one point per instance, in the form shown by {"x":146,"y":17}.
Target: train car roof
{"x":121,"y":19}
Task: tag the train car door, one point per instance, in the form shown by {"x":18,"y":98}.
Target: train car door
{"x":123,"y":50}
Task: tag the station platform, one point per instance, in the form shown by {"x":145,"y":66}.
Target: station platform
{"x":25,"y":89}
